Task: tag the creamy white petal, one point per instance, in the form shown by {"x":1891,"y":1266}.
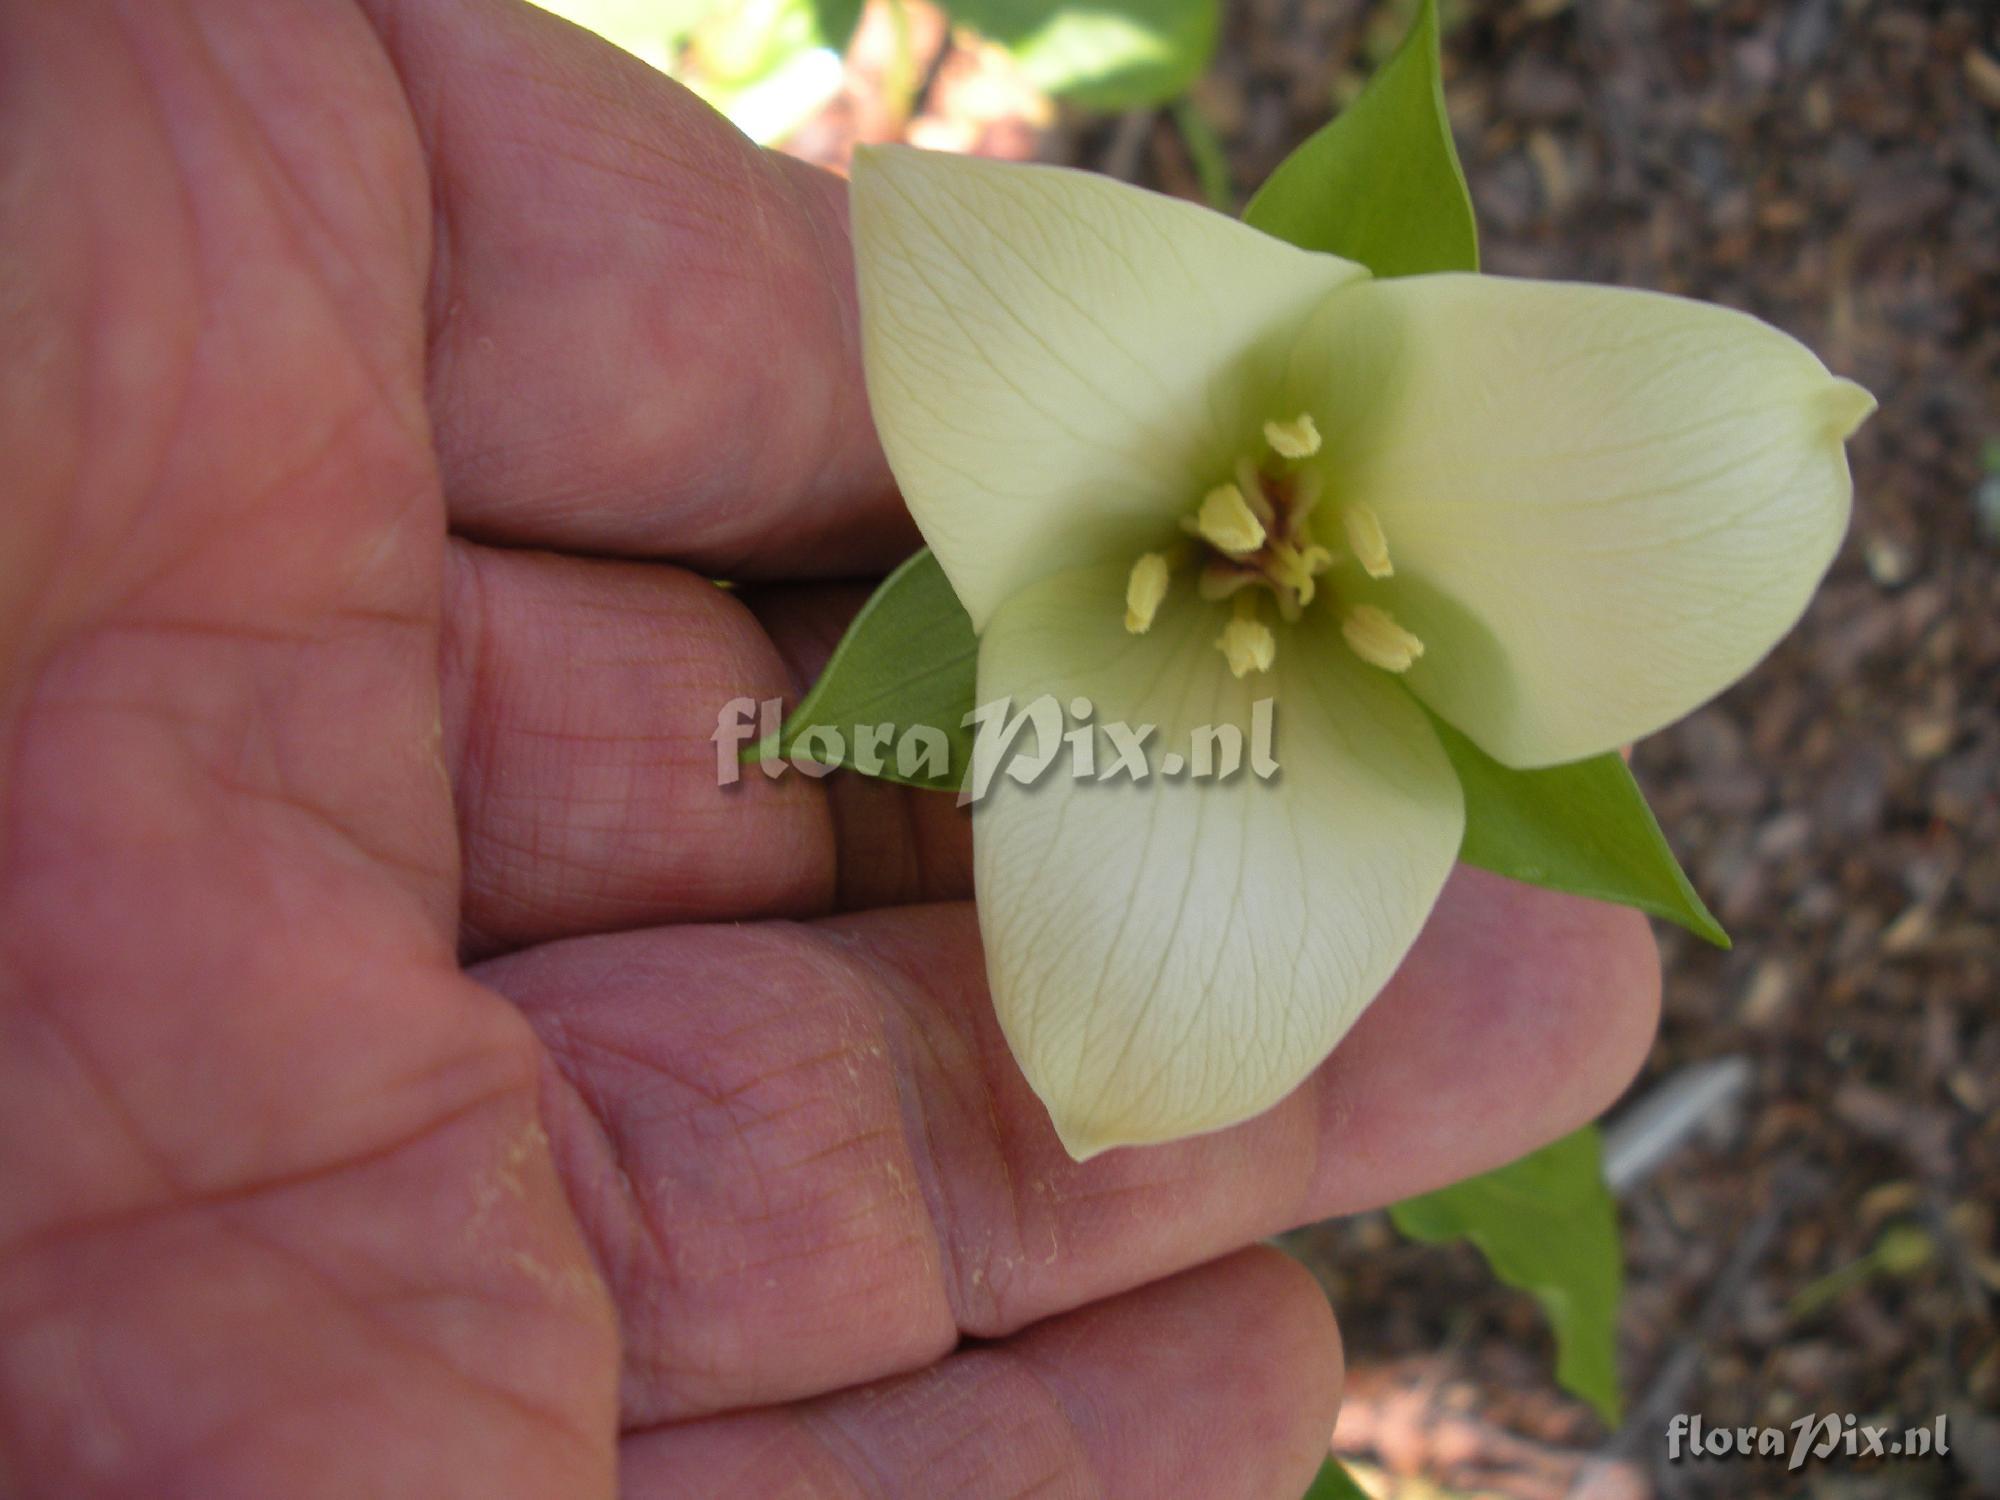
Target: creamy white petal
{"x":1060,"y":364}
{"x":1174,"y":956}
{"x":1604,"y":506}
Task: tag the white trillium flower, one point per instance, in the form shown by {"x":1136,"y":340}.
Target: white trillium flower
{"x":1172,"y":466}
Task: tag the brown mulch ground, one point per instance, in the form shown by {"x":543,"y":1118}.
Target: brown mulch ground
{"x":1833,"y":166}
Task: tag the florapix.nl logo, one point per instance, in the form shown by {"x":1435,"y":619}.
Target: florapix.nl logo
{"x":1817,"y":1435}
{"x":1044,"y":736}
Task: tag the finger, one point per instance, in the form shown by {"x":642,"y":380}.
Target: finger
{"x":1220,"y":1383}
{"x":643,"y":333}
{"x":807,"y":1158}
{"x":581,"y":700}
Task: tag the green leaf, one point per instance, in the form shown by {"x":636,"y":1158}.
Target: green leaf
{"x":1334,"y":1483}
{"x":1381,"y":184}
{"x":909,"y":659}
{"x":1584,"y":828}
{"x":1112,"y":54}
{"x":1546,"y":1224}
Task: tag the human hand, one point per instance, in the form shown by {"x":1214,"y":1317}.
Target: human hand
{"x":417,"y":1077}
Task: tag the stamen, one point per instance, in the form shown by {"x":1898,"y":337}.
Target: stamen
{"x":1144,"y":591}
{"x":1221,"y":580}
{"x":1226,"y":523}
{"x":1253,"y":536}
{"x":1305,"y":495}
{"x":1298,"y":438}
{"x":1289,"y":564}
{"x":1246,"y":640}
{"x":1252,"y":485}
{"x":1374,"y":636}
{"x":1364,"y":535}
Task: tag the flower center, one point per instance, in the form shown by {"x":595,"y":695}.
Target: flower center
{"x":1251,"y":542}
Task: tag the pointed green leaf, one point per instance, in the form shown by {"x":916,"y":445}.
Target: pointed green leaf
{"x":1546,"y":1224}
{"x":1583,"y":828}
{"x":1382,"y":183}
{"x":1335,"y":1483}
{"x":909,"y":659}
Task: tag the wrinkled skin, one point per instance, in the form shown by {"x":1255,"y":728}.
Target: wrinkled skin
{"x":416,"y":1077}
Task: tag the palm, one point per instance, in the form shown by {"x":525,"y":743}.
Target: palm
{"x":294,"y":1204}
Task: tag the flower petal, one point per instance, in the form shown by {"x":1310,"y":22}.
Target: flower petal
{"x":1174,"y":956}
{"x":1060,"y":364}
{"x":1603,"y":506}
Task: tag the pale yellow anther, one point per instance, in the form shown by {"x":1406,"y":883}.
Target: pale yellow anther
{"x":1298,"y":438}
{"x":1364,"y":535}
{"x":1144,"y":591}
{"x":1248,"y":643}
{"x":1226,"y":523}
{"x":1374,"y":636}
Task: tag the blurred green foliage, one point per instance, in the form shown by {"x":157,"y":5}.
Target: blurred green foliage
{"x":767,"y":64}
{"x":1114,"y":54}
{"x":771,"y":64}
